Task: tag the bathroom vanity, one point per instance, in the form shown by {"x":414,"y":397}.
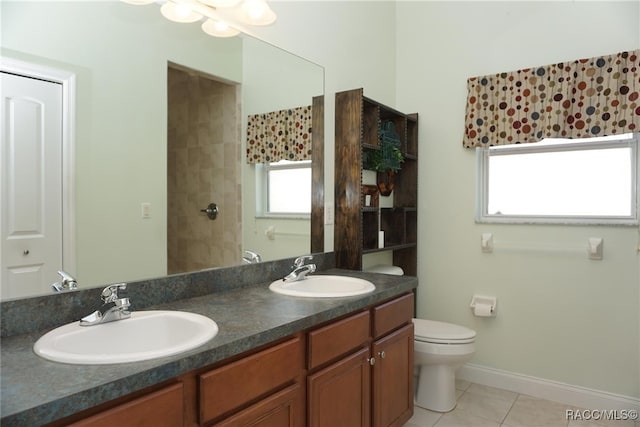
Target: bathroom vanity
{"x":277,"y":360}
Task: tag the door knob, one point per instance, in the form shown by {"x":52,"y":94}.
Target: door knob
{"x":211,"y":211}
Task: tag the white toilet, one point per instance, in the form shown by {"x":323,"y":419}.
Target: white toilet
{"x":439,"y":349}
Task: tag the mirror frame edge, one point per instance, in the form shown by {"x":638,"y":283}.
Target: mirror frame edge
{"x":317,"y":175}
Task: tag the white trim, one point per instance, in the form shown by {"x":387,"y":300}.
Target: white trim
{"x":581,"y":397}
{"x":68,"y":81}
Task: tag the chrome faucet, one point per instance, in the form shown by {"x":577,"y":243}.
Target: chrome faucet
{"x":113,"y":307}
{"x":300,"y":269}
{"x":67,"y":283}
{"x":251,"y":257}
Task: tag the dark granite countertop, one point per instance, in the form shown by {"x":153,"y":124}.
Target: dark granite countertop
{"x":36,"y":391}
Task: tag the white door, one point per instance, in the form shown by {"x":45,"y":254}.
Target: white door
{"x":30,"y":185}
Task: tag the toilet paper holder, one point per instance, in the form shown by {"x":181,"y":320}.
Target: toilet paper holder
{"x":484,"y":306}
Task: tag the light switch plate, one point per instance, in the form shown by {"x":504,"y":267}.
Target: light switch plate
{"x":328,"y":214}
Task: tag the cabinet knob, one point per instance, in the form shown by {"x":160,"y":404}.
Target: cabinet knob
{"x":382,"y":354}
{"x":372,"y":361}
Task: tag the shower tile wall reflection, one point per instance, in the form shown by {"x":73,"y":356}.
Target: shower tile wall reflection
{"x":203,"y":167}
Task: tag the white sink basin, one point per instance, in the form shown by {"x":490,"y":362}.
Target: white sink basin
{"x":322,"y":286}
{"x":145,"y":335}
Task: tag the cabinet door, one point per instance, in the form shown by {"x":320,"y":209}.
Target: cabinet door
{"x":339,"y":395}
{"x":282,"y":409}
{"x":161,"y":408}
{"x":392,"y":398}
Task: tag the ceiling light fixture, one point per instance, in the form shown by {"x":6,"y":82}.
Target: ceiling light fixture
{"x":222,"y":18}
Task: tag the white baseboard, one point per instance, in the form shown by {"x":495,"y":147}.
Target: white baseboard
{"x":546,"y":389}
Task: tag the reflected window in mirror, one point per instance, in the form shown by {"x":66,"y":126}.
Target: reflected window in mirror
{"x":284,"y":188}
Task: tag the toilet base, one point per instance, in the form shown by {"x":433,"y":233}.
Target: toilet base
{"x":436,"y":388}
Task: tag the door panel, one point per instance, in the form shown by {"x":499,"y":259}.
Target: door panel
{"x":393,"y":378}
{"x":31,"y":184}
{"x":339,"y":395}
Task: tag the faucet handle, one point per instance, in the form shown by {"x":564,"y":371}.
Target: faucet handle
{"x":110,"y":293}
{"x":299,"y":262}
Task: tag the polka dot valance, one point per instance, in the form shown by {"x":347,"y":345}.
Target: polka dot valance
{"x":279,"y":135}
{"x":578,"y":99}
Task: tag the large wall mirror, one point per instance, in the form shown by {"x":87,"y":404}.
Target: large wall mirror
{"x":143,"y":83}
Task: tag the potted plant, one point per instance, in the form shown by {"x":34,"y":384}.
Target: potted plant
{"x":387,"y":160}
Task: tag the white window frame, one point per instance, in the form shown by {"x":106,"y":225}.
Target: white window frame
{"x":482,"y":181}
{"x":262,"y":195}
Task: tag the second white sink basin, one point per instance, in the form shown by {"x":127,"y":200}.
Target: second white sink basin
{"x":323,"y":286}
{"x":145,"y":335}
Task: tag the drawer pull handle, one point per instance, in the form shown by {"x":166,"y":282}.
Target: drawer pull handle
{"x":382,"y":354}
{"x":372,"y":361}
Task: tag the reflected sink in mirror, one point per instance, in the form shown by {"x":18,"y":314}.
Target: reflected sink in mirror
{"x":145,"y":335}
{"x":323,"y":286}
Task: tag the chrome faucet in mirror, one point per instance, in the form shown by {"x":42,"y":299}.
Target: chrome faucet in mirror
{"x":66,"y":283}
{"x":251,"y":257}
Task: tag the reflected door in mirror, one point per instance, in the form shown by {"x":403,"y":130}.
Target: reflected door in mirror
{"x":31,"y":185}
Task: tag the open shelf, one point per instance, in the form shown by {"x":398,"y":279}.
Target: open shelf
{"x":356,"y":225}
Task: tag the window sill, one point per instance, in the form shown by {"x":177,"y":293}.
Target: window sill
{"x":543,"y":220}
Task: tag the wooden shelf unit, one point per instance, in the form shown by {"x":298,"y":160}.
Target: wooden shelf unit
{"x":357,"y":123}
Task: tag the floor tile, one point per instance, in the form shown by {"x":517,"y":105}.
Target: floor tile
{"x":492,"y":392}
{"x":462,"y":418}
{"x":423,"y":417}
{"x":529,"y":411}
{"x":462,"y":384}
{"x":485,"y":404}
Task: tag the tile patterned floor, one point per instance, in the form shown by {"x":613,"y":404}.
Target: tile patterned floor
{"x":482,"y":406}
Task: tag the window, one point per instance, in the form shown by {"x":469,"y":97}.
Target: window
{"x":285,"y":188}
{"x":592,"y":181}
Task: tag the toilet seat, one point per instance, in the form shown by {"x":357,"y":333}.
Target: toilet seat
{"x":431,"y":331}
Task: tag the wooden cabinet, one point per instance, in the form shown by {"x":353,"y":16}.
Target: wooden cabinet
{"x":339,"y":395}
{"x":282,"y":409}
{"x":392,"y":398}
{"x":355,"y":371}
{"x":357,"y":123}
{"x":162,"y":408}
{"x":365,"y":377}
{"x":228,"y":388}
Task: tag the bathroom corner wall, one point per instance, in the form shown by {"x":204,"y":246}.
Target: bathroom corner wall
{"x":561,"y":317}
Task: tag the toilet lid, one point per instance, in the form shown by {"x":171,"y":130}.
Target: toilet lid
{"x":442,"y":332}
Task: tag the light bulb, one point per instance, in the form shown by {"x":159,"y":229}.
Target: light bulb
{"x":220,"y":3}
{"x":179,"y":12}
{"x":218,"y":28}
{"x":257,"y":12}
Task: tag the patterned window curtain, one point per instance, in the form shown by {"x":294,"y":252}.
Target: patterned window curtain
{"x":279,"y":135}
{"x":580,"y":99}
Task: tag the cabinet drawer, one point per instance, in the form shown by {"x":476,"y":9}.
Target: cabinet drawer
{"x":338,"y":338}
{"x":392,"y":315}
{"x":228,"y":388}
{"x":161,"y":408}
{"x":285,"y":408}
